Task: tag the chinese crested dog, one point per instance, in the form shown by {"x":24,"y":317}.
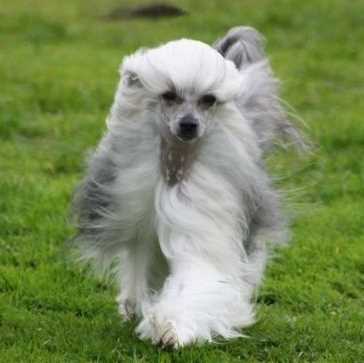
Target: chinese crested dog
{"x":177,"y":200}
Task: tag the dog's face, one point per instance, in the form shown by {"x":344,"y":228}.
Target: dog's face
{"x":183,"y":84}
{"x":186,"y":116}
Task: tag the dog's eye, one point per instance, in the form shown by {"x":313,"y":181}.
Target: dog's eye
{"x":170,"y":96}
{"x":207,"y":100}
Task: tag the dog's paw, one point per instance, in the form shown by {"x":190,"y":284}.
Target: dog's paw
{"x":170,"y":338}
{"x":165,"y":335}
{"x":127,"y":309}
{"x":163,"y":332}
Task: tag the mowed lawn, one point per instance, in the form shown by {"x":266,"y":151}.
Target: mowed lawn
{"x":58,"y":73}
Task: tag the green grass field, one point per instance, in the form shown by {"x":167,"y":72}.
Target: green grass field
{"x":58,"y":72}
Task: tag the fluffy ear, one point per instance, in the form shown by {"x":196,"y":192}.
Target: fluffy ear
{"x":242,"y":45}
{"x":131,"y":79}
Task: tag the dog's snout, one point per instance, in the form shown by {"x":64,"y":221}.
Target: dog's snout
{"x":188,"y":127}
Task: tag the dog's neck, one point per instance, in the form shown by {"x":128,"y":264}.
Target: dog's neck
{"x":176,"y":160}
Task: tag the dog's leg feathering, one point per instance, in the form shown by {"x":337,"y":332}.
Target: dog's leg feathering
{"x":208,"y":291}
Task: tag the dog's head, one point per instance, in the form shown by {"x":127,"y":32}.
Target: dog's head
{"x":182,"y":84}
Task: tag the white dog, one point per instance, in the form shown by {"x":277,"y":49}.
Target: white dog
{"x":177,"y":198}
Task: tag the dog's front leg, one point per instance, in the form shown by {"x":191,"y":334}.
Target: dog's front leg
{"x":142,"y":271}
{"x":197,"y":303}
{"x":206,"y":293}
{"x":133,"y":281}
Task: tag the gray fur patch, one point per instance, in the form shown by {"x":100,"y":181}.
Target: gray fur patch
{"x":243,"y":45}
{"x":91,"y":197}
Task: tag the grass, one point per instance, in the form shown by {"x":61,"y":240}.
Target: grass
{"x":58,"y":72}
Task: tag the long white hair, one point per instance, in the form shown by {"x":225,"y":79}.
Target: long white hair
{"x":189,"y":253}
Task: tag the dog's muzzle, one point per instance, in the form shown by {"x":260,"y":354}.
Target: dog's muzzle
{"x":188,"y":127}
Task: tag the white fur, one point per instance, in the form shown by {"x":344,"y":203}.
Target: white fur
{"x":189,"y":255}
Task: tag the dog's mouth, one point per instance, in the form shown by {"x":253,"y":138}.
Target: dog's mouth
{"x":186,"y":140}
{"x":186,"y":137}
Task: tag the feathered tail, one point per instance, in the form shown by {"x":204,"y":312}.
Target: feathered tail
{"x":259,"y":101}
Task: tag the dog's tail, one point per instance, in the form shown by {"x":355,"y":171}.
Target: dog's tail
{"x":259,"y":101}
{"x":242,"y":45}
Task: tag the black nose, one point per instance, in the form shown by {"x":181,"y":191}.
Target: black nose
{"x":188,"y":126}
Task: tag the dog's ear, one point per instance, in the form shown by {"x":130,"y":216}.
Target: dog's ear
{"x":242,"y":45}
{"x":131,"y":79}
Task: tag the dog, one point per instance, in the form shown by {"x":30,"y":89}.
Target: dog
{"x":177,"y":201}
